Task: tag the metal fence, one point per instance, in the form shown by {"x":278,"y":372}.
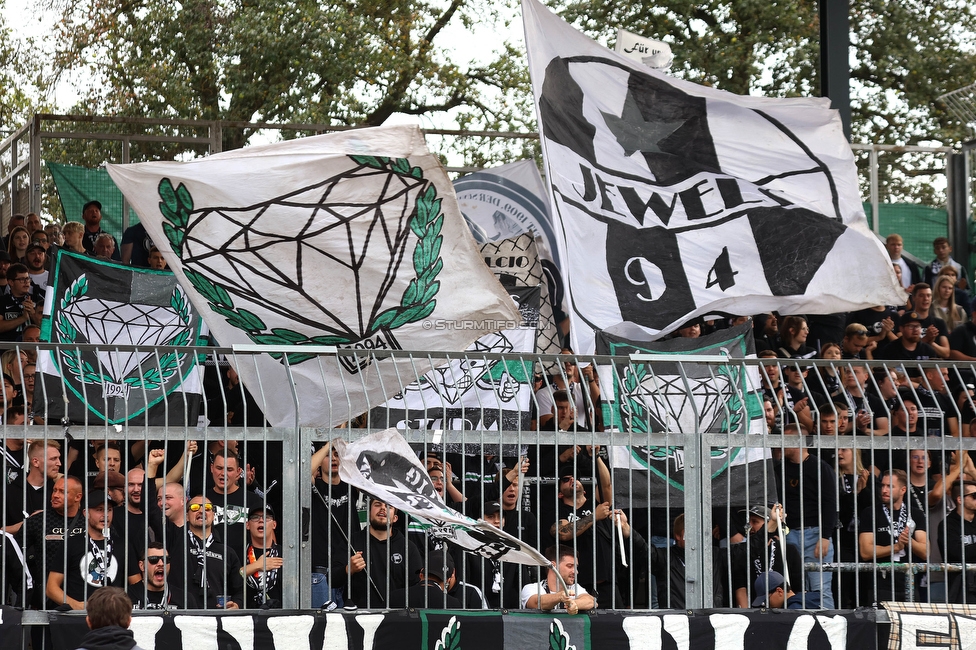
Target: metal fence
{"x":688,"y":436}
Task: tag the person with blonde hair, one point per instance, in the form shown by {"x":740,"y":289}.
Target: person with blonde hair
{"x":73,"y":231}
{"x":944,"y":302}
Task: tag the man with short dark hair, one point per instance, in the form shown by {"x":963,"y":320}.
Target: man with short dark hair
{"x":231,"y":501}
{"x":890,"y":533}
{"x":19,"y":307}
{"x":934,"y":329}
{"x":109,"y":615}
{"x":382,"y":559}
{"x":548,"y":594}
{"x":586,"y":527}
{"x":943,"y":258}
{"x":91,"y":214}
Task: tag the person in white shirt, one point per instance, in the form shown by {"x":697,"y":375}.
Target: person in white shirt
{"x":548,"y":594}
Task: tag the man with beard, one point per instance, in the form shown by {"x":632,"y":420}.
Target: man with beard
{"x":212,"y":570}
{"x":890,"y":533}
{"x":382,"y":559}
{"x":35,"y":260}
{"x":92,"y":561}
{"x":910,"y":347}
{"x":262,"y":571}
{"x":587,"y":528}
{"x":91,"y":214}
{"x":548,"y":594}
{"x":43,"y":534}
{"x":153,"y":591}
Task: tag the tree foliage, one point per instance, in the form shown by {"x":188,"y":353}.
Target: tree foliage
{"x":333,"y":62}
{"x":21,"y":82}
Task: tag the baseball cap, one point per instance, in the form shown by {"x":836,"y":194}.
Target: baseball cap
{"x":268,"y":511}
{"x":97,"y":204}
{"x":910,"y":317}
{"x":759,"y":511}
{"x":439,"y":563}
{"x":32,"y":246}
{"x":491,"y":507}
{"x":766,"y":584}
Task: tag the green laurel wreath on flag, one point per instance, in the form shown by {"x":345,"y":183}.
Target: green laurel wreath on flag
{"x":638,"y":413}
{"x":417,"y":301}
{"x":450,"y":636}
{"x":155,"y":377}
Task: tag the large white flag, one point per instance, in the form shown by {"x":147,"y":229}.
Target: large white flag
{"x":351,"y":240}
{"x":384,"y":465}
{"x":673,"y":200}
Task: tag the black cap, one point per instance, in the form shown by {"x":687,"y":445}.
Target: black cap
{"x":905,"y":395}
{"x":910,"y":317}
{"x":268,"y":511}
{"x":439,"y":563}
{"x":766,"y":584}
{"x":4,"y":256}
{"x":34,"y":245}
{"x":567,"y":469}
{"x":490,"y":508}
{"x":97,"y":204}
{"x":99,"y":497}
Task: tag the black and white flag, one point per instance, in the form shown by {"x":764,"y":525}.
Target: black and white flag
{"x":384,"y":465}
{"x":349,"y":240}
{"x":672,"y":200}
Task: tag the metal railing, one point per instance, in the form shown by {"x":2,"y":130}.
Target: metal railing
{"x":684,"y":435}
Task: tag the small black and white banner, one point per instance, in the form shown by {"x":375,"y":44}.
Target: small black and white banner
{"x":384,"y":465}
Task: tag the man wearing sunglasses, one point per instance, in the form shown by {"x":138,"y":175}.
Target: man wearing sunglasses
{"x":957,"y":540}
{"x":207,"y":571}
{"x":153,"y":592}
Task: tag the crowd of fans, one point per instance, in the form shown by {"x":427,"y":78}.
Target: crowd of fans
{"x":195,"y":525}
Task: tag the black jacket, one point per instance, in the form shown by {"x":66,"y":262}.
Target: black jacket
{"x":390,"y":564}
{"x":109,"y":638}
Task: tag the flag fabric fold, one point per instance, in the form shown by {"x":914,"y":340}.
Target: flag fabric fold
{"x":352,"y":240}
{"x":384,"y":465}
{"x":672,"y":200}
